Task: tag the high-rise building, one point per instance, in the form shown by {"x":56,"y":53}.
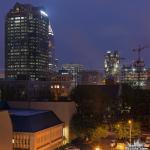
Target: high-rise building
{"x":52,"y":58}
{"x":73,"y":69}
{"x":112,"y":66}
{"x":27,"y":42}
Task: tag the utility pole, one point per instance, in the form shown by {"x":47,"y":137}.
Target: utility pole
{"x":130,"y":125}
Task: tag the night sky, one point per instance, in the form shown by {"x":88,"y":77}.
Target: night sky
{"x":85,"y":29}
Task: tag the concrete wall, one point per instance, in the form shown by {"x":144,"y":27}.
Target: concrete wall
{"x":5,"y":131}
{"x":64,"y":111}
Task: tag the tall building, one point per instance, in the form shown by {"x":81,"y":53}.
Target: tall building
{"x":73,"y":69}
{"x":52,"y":65}
{"x":27,"y":42}
{"x":112,"y":66}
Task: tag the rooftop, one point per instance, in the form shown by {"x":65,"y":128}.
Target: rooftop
{"x":30,"y":120}
{"x":26,"y":112}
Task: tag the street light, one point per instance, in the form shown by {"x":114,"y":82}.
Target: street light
{"x":97,"y":148}
{"x":130,"y":125}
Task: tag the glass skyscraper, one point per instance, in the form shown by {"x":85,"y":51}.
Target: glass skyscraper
{"x":112,"y":66}
{"x":27,"y":43}
{"x":52,"y":59}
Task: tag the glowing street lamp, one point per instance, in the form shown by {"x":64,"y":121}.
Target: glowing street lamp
{"x":97,"y":148}
{"x":130,"y":125}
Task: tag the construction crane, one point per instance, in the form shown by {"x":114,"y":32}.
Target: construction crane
{"x":139,"y":64}
{"x":139,"y":49}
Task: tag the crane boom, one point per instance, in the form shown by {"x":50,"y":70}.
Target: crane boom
{"x":139,"y":64}
{"x":139,"y":49}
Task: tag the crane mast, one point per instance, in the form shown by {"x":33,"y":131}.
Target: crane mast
{"x":139,"y":63}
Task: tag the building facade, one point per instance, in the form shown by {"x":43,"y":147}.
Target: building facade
{"x":61,"y":84}
{"x":36,"y":130}
{"x":90,"y":77}
{"x":63,"y":109}
{"x":136,"y":75}
{"x":2,"y":74}
{"x":112,"y":66}
{"x":26,"y":42}
{"x":73,"y":69}
{"x":5,"y":131}
{"x":148,"y":79}
{"x":25,"y":90}
{"x":52,"y":65}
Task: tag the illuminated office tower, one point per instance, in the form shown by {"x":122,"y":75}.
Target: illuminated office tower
{"x":27,"y":42}
{"x":112,"y":66}
{"x":52,"y":65}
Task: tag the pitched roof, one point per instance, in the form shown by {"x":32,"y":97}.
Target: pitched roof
{"x":25,"y":120}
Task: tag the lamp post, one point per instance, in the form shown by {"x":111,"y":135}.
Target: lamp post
{"x":97,"y":148}
{"x":130,"y":125}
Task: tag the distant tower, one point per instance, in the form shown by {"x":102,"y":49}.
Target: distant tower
{"x":27,"y":43}
{"x":52,"y":65}
{"x":112,"y":66}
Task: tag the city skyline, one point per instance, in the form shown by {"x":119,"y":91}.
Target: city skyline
{"x":74,"y":75}
{"x":91,"y":28}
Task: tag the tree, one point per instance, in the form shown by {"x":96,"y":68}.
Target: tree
{"x":122,"y":129}
{"x":94,"y":107}
{"x":141,"y":108}
{"x":83,"y":124}
{"x":135,"y":103}
{"x":99,"y":132}
{"x":93,"y":98}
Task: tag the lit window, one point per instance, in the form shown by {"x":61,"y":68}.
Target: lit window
{"x":16,"y":18}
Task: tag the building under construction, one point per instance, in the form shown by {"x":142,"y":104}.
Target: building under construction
{"x":135,"y":74}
